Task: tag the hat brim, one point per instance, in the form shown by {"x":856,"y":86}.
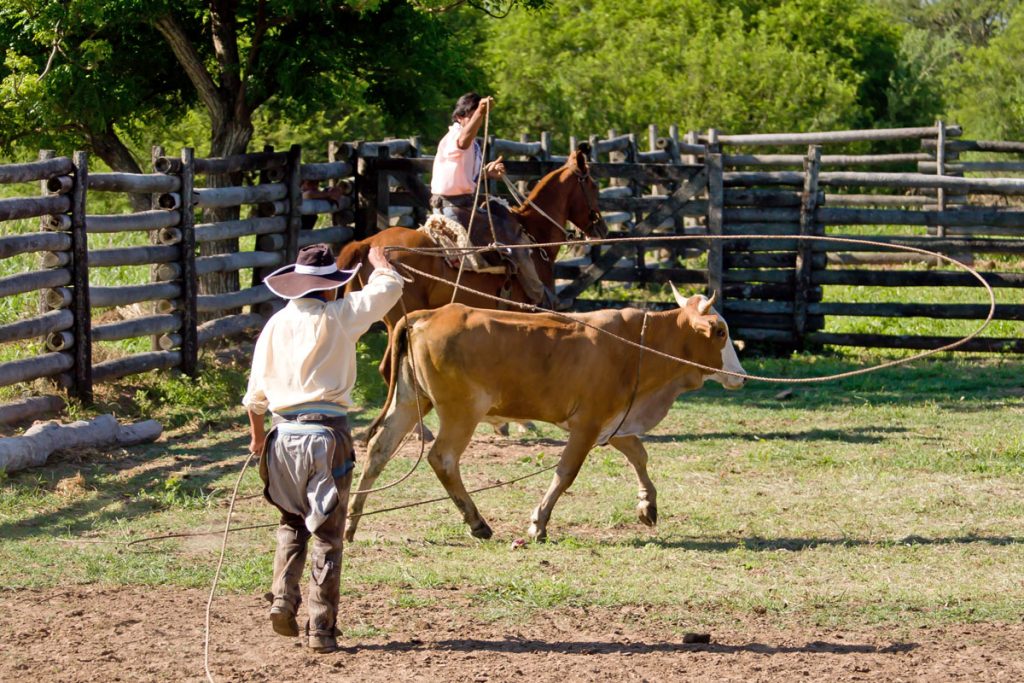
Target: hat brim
{"x":288,"y":284}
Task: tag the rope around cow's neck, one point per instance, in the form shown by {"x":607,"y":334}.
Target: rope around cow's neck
{"x":709,"y":369}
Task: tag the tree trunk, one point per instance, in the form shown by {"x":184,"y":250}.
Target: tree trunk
{"x":229,"y":137}
{"x":108,"y":146}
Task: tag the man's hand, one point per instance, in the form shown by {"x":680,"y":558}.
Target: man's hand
{"x":495,"y":169}
{"x":377,"y":258}
{"x":486,"y":104}
{"x":258,"y":433}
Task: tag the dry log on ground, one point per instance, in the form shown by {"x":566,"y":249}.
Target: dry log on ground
{"x":41,"y":440}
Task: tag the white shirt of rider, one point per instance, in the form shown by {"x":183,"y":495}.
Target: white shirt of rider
{"x":455,"y":170}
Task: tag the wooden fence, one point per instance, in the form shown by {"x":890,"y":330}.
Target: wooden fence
{"x":772,"y":288}
{"x":696,"y":184}
{"x":167,"y":308}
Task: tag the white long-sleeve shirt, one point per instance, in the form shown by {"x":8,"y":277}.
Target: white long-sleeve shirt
{"x":306,"y":353}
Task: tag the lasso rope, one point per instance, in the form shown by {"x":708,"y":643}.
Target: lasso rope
{"x":216,"y":574}
{"x":684,"y":361}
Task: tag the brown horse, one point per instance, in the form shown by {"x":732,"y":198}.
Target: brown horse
{"x":566,"y":194}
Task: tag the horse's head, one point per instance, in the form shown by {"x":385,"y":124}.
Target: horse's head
{"x":582,"y":194}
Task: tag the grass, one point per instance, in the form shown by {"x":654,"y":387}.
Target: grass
{"x":894,"y":497}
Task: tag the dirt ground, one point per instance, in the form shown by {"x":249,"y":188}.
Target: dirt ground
{"x":91,"y":633}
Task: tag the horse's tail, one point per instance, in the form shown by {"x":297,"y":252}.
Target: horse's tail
{"x":397,"y":345}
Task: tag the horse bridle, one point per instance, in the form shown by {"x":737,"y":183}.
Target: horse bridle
{"x":595,"y":211}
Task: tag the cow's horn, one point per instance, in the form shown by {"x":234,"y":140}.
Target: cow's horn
{"x":704,"y":306}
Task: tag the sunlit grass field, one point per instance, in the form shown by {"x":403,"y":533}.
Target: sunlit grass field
{"x":891,"y":498}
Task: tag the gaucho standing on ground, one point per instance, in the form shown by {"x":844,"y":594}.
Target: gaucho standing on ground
{"x":303,"y":371}
{"x":453,"y":183}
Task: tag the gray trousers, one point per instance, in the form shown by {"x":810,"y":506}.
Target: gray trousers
{"x":293,"y":534}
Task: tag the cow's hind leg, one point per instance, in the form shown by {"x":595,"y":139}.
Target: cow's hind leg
{"x":575,"y":452}
{"x":633,"y":448}
{"x":453,"y":436}
{"x":401,"y":417}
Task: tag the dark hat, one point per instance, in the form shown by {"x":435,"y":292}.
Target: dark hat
{"x":313,"y":271}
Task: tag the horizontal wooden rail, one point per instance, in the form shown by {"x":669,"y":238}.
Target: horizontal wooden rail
{"x":125,"y":222}
{"x":40,"y":279}
{"x":942,"y":311}
{"x":35,"y":170}
{"x":132,"y":256}
{"x":229,"y":326}
{"x":136,"y":327}
{"x":40,"y":326}
{"x":237,"y":261}
{"x":912,"y":278}
{"x":832,"y":137}
{"x":110,"y":370}
{"x":27,"y":369}
{"x":209,"y":232}
{"x":31,"y":207}
{"x":12,"y":245}
{"x":208,"y":303}
{"x":890,"y":341}
{"x":106,"y":297}
{"x":334,"y":170}
{"x":147,"y":183}
{"x":221,"y":197}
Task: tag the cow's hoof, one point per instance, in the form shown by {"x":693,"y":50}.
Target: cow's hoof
{"x":483,"y":531}
{"x":350,"y":535}
{"x":537,"y":534}
{"x":647,"y":513}
{"x":501,"y":429}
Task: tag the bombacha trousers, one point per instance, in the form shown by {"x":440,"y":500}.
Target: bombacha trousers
{"x":307,"y":473}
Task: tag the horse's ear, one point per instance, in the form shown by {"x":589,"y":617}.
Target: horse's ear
{"x":578,"y":159}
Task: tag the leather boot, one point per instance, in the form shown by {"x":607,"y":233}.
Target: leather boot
{"x":289,"y":561}
{"x":528,"y":278}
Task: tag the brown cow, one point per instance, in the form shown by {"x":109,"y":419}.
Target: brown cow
{"x":470,"y":364}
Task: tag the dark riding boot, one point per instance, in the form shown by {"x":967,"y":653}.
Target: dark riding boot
{"x":528,"y":277}
{"x":289,"y":561}
{"x":325,"y":574}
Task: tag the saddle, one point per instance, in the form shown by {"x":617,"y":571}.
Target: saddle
{"x":500,"y":227}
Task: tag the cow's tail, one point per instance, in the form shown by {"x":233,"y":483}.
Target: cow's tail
{"x":398,"y":343}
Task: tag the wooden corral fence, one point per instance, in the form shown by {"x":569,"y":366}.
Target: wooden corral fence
{"x":829,"y":183}
{"x":168,"y":307}
{"x":772,"y":289}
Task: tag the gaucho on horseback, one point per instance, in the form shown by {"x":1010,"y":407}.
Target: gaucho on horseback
{"x":458,"y":165}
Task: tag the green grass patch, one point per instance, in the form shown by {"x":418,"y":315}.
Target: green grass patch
{"x":893,"y":497}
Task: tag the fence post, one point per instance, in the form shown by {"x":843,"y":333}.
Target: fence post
{"x":44,"y":221}
{"x":383,"y":193}
{"x":82,"y":329}
{"x":293,"y":180}
{"x":940,"y":169}
{"x":189,"y":279}
{"x":805,"y":248}
{"x":716,"y":248}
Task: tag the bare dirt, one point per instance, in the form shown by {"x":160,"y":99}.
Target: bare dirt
{"x":92,"y":633}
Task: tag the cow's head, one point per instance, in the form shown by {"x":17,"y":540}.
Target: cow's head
{"x":706,"y":321}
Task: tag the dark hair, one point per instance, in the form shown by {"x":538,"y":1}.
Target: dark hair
{"x":466,"y":105}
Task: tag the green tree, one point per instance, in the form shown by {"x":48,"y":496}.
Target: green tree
{"x":988,"y":87}
{"x":63,"y":86}
{"x":587,"y":65}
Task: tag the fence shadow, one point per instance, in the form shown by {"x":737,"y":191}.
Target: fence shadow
{"x":590,"y":647}
{"x":122,"y":498}
{"x":758,"y":544}
{"x":859,"y":435}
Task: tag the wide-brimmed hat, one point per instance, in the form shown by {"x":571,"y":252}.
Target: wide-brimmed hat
{"x":313,"y":271}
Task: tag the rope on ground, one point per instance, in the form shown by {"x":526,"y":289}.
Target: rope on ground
{"x":190,"y":534}
{"x":741,"y":375}
{"x":216,"y":574}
